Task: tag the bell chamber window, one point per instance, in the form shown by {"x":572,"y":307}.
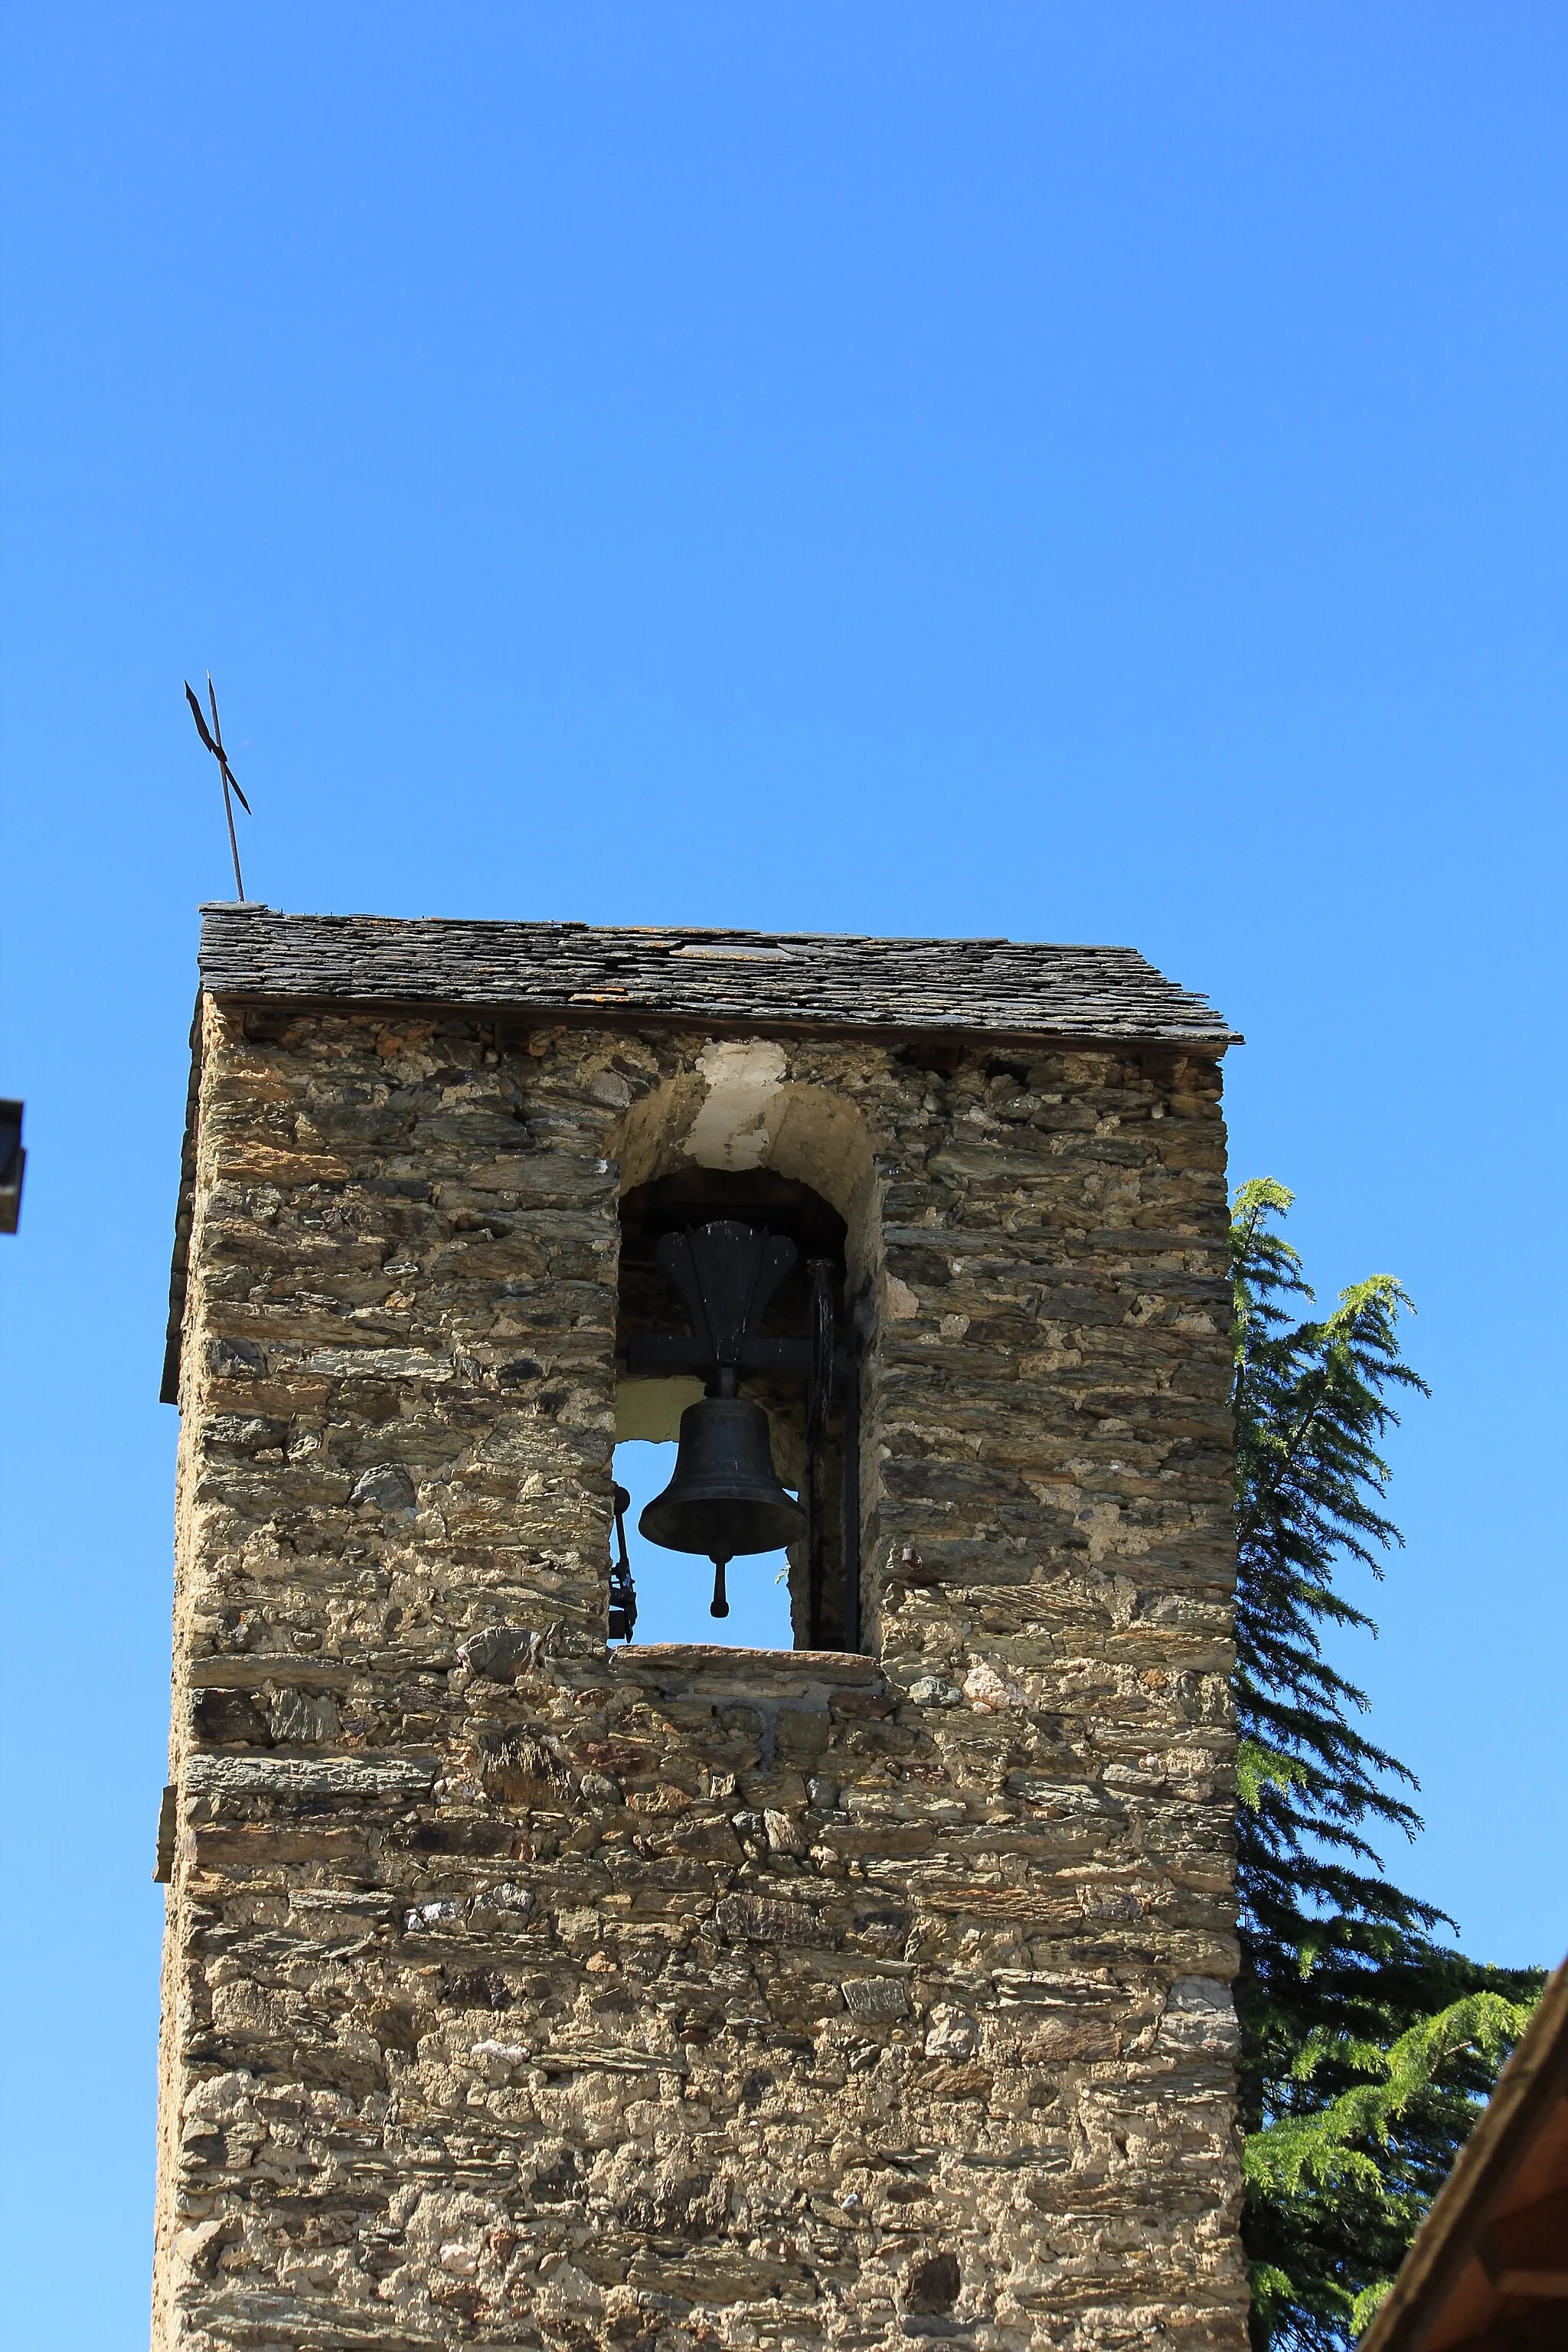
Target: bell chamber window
{"x":737,"y":1417}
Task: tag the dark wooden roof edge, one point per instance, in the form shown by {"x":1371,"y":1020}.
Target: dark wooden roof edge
{"x":1210,"y":1042}
{"x":1535,"y":2074}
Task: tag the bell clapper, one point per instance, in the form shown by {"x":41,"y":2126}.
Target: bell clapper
{"x":720,"y":1604}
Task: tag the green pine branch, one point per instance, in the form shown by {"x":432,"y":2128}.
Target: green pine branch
{"x":1367,"y":2045}
{"x":1329,"y":2147}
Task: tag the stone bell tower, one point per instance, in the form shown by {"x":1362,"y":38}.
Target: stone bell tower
{"x":533,"y":1990}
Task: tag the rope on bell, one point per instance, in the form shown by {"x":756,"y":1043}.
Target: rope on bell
{"x":623,"y":1591}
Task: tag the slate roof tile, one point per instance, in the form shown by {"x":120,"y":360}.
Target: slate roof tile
{"x":795,"y":978}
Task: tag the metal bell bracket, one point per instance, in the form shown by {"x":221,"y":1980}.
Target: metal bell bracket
{"x":726,"y":1273}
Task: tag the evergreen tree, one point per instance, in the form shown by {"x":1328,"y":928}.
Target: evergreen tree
{"x":1366,"y":2043}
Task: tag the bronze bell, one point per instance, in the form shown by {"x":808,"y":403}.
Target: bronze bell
{"x":724,"y":1498}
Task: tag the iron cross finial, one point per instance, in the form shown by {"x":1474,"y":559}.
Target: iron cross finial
{"x":213,"y":739}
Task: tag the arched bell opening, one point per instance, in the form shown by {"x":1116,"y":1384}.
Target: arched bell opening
{"x":732,"y":1299}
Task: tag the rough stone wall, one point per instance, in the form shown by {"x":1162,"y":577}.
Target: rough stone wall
{"x":523,"y":1995}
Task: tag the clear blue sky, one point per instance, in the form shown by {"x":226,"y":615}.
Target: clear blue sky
{"x":1065,"y":471}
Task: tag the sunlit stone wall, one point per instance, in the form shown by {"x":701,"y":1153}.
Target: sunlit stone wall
{"x":526,"y":1994}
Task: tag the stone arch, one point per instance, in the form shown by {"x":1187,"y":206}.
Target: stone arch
{"x":741,"y":1108}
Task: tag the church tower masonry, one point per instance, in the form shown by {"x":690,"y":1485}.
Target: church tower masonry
{"x":528,"y":1988}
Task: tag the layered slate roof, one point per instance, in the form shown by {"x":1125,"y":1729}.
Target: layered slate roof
{"x":786,"y":980}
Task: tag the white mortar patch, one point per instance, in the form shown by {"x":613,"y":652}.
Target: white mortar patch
{"x":743,"y":1075}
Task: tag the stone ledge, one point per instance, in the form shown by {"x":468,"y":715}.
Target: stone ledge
{"x":712,"y":1669}
{"x":307,"y":1777}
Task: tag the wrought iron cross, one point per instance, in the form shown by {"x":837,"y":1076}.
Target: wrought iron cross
{"x":213,"y":739}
